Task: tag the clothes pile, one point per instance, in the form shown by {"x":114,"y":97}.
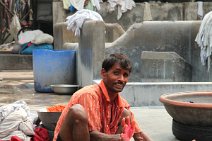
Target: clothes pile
{"x":35,"y":39}
{"x":75,"y":21}
{"x":204,"y":39}
{"x":17,"y":123}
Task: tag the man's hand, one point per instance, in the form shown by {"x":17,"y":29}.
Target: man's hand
{"x":128,"y":129}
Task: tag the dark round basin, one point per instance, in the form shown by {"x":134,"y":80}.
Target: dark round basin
{"x":190,"y":108}
{"x":49,"y":119}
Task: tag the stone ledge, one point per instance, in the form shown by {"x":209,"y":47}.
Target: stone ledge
{"x":148,"y":94}
{"x":15,"y":62}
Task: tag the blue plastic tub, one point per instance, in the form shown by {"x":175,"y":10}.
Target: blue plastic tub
{"x":53,"y":67}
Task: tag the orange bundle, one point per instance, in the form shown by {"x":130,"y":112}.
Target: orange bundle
{"x":55,"y":108}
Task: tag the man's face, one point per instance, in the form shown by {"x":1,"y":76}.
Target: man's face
{"x":115,"y":79}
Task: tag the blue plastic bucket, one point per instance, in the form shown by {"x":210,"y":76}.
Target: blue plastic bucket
{"x":53,"y":67}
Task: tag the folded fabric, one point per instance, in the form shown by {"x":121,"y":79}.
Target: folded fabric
{"x":28,"y":36}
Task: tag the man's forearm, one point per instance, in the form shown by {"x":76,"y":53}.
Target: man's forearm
{"x":98,"y":136}
{"x":141,"y":137}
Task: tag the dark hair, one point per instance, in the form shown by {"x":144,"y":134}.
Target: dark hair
{"x":122,"y":59}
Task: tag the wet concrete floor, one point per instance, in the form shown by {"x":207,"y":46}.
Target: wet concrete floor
{"x":19,"y":85}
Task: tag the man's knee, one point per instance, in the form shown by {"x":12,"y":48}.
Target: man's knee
{"x":75,"y":118}
{"x":77,"y":113}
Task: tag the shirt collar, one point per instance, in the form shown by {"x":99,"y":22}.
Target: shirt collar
{"x":105,"y":93}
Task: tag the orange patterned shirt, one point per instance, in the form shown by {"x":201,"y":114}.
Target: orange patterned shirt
{"x":103,"y":115}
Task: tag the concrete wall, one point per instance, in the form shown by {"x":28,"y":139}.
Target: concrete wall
{"x":176,"y":35}
{"x":164,"y":67}
{"x":63,"y":36}
{"x":161,"y":36}
{"x":160,"y":11}
{"x":148,"y":94}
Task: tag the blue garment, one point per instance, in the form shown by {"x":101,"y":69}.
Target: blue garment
{"x":25,"y":49}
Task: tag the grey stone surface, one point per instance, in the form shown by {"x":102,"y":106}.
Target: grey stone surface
{"x":164,"y":67}
{"x":155,"y":122}
{"x":160,"y":11}
{"x":62,"y":36}
{"x":172,"y":35}
{"x":159,"y":36}
{"x":15,"y":62}
{"x":148,"y":94}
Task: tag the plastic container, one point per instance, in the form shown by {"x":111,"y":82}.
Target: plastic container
{"x":53,"y":67}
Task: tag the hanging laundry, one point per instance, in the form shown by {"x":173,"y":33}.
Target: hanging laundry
{"x":204,"y":39}
{"x":122,"y":5}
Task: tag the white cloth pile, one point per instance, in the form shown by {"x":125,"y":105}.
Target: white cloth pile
{"x":204,"y":39}
{"x":35,"y":37}
{"x":75,"y":21}
{"x":15,"y":120}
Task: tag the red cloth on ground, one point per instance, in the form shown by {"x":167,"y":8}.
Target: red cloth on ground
{"x":13,"y":138}
{"x":41,"y":134}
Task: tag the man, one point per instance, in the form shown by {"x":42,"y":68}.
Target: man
{"x":97,"y":112}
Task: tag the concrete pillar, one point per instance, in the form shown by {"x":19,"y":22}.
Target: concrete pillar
{"x":90,"y":52}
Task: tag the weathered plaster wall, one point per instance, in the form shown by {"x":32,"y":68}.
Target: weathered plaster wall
{"x":159,"y":11}
{"x":161,"y":36}
{"x":174,"y":29}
